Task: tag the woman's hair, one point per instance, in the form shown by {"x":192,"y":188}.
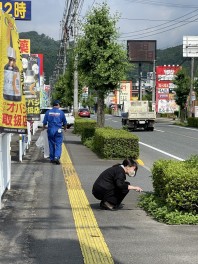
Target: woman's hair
{"x":130,"y":162}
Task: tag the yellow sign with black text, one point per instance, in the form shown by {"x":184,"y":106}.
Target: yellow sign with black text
{"x":13,"y":114}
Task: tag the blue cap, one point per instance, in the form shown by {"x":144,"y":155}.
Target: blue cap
{"x":56,"y":102}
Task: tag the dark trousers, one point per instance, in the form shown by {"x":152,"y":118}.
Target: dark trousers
{"x":113,"y":196}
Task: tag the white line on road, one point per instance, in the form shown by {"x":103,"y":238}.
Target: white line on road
{"x":159,"y":130}
{"x":159,"y":150}
{"x":188,"y":128}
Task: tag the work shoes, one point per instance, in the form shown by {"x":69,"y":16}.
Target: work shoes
{"x":57,"y":161}
{"x":107,"y":206}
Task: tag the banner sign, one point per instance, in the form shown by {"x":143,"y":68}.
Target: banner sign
{"x":13,"y":115}
{"x":165,"y":101}
{"x":33,"y":108}
{"x":45,"y":96}
{"x":31,"y":88}
{"x":24,"y":46}
{"x":40,"y":56}
{"x":20,"y":10}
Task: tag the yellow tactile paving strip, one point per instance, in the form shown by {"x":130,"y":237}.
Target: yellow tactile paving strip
{"x":92,"y":243}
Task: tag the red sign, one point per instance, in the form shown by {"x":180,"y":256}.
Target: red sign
{"x":165,"y":87}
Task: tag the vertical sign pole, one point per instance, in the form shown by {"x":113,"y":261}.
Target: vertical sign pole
{"x":191,"y":85}
{"x":140,"y":81}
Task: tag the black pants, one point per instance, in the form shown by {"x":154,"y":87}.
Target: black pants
{"x":113,"y":196}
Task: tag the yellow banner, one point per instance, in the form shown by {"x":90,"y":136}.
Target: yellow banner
{"x":13,"y":114}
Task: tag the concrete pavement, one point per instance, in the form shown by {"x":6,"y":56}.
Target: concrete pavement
{"x":50,"y":216}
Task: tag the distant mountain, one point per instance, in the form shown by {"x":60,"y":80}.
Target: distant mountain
{"x":174,"y":56}
{"x":49,"y":47}
{"x":44,"y":45}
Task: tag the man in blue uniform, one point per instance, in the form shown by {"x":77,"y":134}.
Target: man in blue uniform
{"x":55,"y":119}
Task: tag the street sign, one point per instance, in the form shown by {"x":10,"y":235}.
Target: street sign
{"x":190,"y":46}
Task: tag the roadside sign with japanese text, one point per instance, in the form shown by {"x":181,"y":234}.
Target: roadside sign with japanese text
{"x":20,"y":10}
{"x":13,"y":114}
{"x":24,"y":46}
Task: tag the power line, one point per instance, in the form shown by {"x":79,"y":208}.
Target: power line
{"x":161,"y":31}
{"x":147,"y":2}
{"x":160,"y":25}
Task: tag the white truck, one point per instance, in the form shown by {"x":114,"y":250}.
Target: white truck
{"x":136,"y":114}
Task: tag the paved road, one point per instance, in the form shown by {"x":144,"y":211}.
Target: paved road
{"x":40,"y":218}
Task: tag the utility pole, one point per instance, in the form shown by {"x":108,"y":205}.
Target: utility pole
{"x":75,"y":59}
{"x":140,"y":81}
{"x":154,"y":84}
{"x":191,"y":85}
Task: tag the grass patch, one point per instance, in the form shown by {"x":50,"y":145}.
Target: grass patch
{"x":162,"y":213}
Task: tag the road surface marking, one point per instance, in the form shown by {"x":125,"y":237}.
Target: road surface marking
{"x":92,"y":243}
{"x":159,"y":130}
{"x":188,"y":128}
{"x":140,"y":162}
{"x":159,"y":150}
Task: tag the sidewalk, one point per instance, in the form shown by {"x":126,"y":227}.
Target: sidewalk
{"x":49,"y":206}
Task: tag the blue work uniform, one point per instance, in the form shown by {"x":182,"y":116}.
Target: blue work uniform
{"x":55,"y":119}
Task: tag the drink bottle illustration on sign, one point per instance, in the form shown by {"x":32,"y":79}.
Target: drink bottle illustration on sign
{"x":11,"y":89}
{"x":12,"y":81}
{"x":29,"y":84}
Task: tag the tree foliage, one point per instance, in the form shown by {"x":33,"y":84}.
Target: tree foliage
{"x":182,"y":81}
{"x":102,"y":62}
{"x":63,"y":89}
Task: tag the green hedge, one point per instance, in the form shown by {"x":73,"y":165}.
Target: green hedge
{"x":176,"y":183}
{"x":87,"y":133}
{"x":115,"y":143}
{"x":192,"y":121}
{"x":80,"y":124}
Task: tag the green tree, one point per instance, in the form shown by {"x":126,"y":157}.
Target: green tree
{"x":64,"y":87}
{"x":182,"y":81}
{"x":102,"y":62}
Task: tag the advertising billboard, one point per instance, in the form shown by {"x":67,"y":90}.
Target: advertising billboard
{"x":141,"y":50}
{"x":165,"y":94}
{"x":124,"y":93}
{"x":31,"y":88}
{"x":13,"y":114}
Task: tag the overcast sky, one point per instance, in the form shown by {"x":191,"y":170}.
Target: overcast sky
{"x":164,"y":21}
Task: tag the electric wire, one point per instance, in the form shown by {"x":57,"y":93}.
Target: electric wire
{"x":161,"y":25}
{"x":146,"y":2}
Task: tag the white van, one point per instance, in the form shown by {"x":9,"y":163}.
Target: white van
{"x":69,"y":116}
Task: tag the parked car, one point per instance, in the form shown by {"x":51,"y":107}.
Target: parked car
{"x":69,"y":116}
{"x":84,"y":112}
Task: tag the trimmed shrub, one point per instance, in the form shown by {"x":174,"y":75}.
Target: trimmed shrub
{"x":80,"y":124}
{"x":176,"y":183}
{"x":192,"y":121}
{"x":87,"y":133}
{"x":115,"y":143}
